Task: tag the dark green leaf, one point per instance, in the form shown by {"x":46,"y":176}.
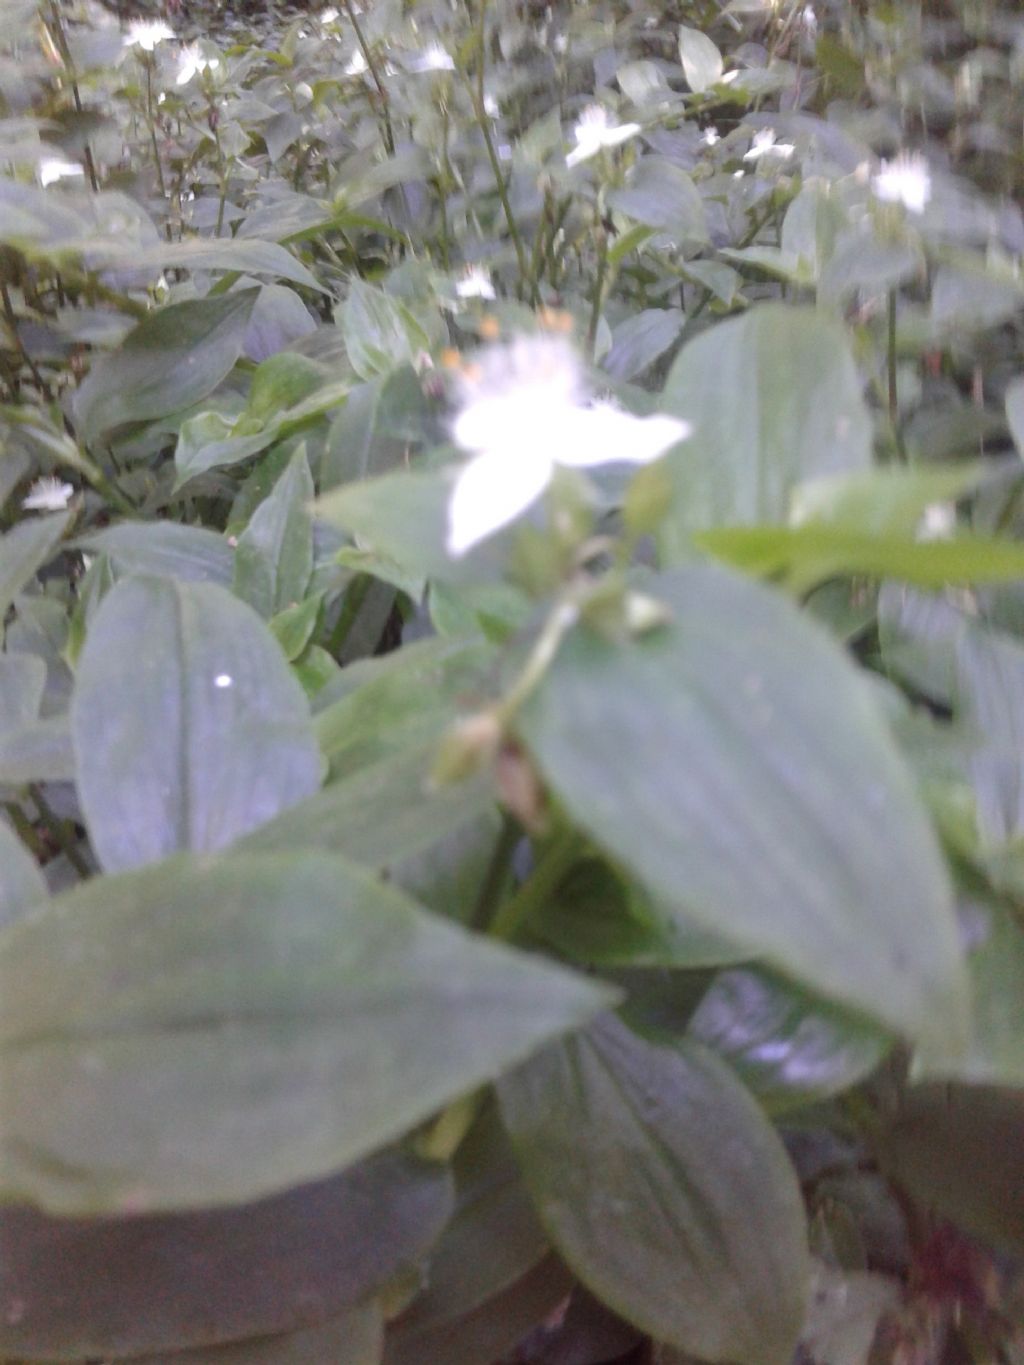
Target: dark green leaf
{"x":171,"y":360}
{"x":189,"y":728}
{"x":97,"y":1286}
{"x":665,"y":1189}
{"x":212,"y":1031}
{"x":355,"y":1338}
{"x":762,"y":796}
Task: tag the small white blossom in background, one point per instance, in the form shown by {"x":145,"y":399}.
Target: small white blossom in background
{"x":47,"y":495}
{"x":433,"y":58}
{"x":710,"y":136}
{"x":905,"y":180}
{"x":192,"y":62}
{"x":329,"y":15}
{"x":491,"y":108}
{"x":53,"y":168}
{"x":938,"y":522}
{"x":593,"y":132}
{"x":809,"y":21}
{"x":475,"y":284}
{"x":357,"y":64}
{"x":525,"y":410}
{"x":146,"y":33}
{"x":765,"y":145}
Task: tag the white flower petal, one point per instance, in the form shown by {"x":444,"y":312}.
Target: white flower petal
{"x":603,"y":434}
{"x":53,"y":168}
{"x":47,"y":495}
{"x":475,"y":284}
{"x":905,"y":180}
{"x":491,"y":491}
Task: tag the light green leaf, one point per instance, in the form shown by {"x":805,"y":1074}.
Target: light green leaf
{"x":22,"y":884}
{"x":165,"y":549}
{"x":274,"y":559}
{"x":22,"y":683}
{"x":381,"y":332}
{"x":38,"y":751}
{"x":246,"y":256}
{"x":665,"y":1189}
{"x":171,"y":360}
{"x":701,"y":59}
{"x":189,"y":728}
{"x":886,"y":501}
{"x":24,"y":549}
{"x":737,"y":764}
{"x":1015,"y":412}
{"x":98,"y":1286}
{"x":775,"y":399}
{"x":659,"y":194}
{"x":214,"y":1030}
{"x":354,"y":1338}
{"x":293,"y":627}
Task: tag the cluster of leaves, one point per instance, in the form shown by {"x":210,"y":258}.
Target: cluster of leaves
{"x":606,"y":944}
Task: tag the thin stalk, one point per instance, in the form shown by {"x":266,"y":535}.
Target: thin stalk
{"x":893,"y":396}
{"x":364,"y":47}
{"x":477,"y":93}
{"x":515,"y":915}
{"x":65,"y":55}
{"x":151,"y":120}
{"x":595,"y":307}
{"x":496,"y":874}
{"x":354,"y":599}
{"x":12,"y":322}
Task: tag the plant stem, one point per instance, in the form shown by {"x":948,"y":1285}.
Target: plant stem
{"x":65,"y":55}
{"x":151,"y":120}
{"x":354,"y":598}
{"x":891,"y":376}
{"x":19,"y":345}
{"x":515,"y":915}
{"x":496,"y":874}
{"x":595,"y":307}
{"x":364,"y":47}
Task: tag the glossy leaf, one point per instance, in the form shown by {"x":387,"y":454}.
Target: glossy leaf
{"x":97,"y":1286}
{"x":665,"y":1190}
{"x":171,"y":360}
{"x":775,"y":399}
{"x":188,"y":726}
{"x":763,"y":798}
{"x":213,"y":1031}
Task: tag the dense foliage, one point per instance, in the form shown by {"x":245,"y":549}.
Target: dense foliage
{"x":512,"y":683}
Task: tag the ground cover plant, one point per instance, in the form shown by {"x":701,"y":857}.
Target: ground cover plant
{"x":512,"y":683}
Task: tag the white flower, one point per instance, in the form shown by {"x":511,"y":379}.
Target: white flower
{"x":938,"y":522}
{"x":53,"y":168}
{"x":560,"y":43}
{"x":491,"y":108}
{"x":192,"y":62}
{"x":593,"y":132}
{"x":47,"y":495}
{"x":433,"y":58}
{"x":905,"y":181}
{"x":710,"y":136}
{"x":809,"y":21}
{"x":764,"y":144}
{"x":475,"y":284}
{"x":146,"y":33}
{"x":357,"y":64}
{"x":328,"y":16}
{"x":524,"y":411}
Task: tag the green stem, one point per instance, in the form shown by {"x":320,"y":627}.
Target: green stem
{"x":364,"y":47}
{"x":19,"y":345}
{"x":893,"y":396}
{"x":595,"y":307}
{"x":515,"y":915}
{"x":151,"y":120}
{"x":65,"y":52}
{"x":354,"y":599}
{"x":496,"y":875}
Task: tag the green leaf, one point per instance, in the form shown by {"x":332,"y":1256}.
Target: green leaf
{"x":274,"y":559}
{"x":189,"y":729}
{"x":170,"y":361}
{"x":373,"y":431}
{"x":22,"y":884}
{"x":887,"y":501}
{"x":701,"y":59}
{"x":665,"y":1190}
{"x":25,"y":549}
{"x":775,"y":399}
{"x":214,"y":1030}
{"x":39,"y":751}
{"x":786,"y":1047}
{"x":354,"y":1338}
{"x":381,"y":333}
{"x":165,"y":549}
{"x":22,"y":684}
{"x":956,"y":1149}
{"x":659,"y":194}
{"x":97,"y":1286}
{"x":293,"y":627}
{"x":641,"y":339}
{"x":382,"y":812}
{"x":736,"y":762}
{"x":804,"y":556}
{"x":1015,"y":412}
{"x":233,"y":254}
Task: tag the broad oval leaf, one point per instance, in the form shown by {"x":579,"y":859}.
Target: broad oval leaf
{"x":737,"y":764}
{"x":189,"y":728}
{"x":165,"y":549}
{"x":97,"y":1286}
{"x":171,"y":360}
{"x":24,"y":549}
{"x":665,"y":1189}
{"x":212,"y":1031}
{"x":774,"y":398}
{"x":701,"y":59}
